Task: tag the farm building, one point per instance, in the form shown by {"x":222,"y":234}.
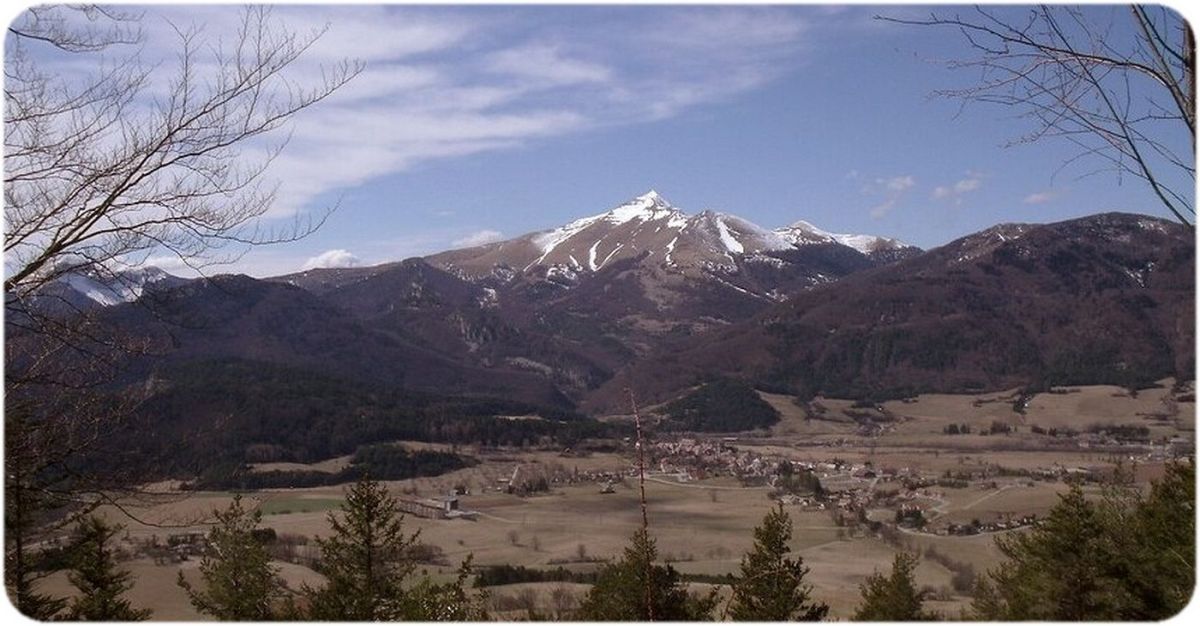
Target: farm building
{"x":438,"y":507}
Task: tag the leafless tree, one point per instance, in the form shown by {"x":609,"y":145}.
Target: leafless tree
{"x":1117,"y":83}
{"x":564,"y":601}
{"x":99,"y":173}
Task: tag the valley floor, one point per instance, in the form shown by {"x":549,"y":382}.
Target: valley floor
{"x":706,"y":493}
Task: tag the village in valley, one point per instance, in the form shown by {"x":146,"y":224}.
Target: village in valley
{"x":938,"y":475}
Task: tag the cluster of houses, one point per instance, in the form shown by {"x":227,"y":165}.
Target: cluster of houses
{"x":178,"y":547}
{"x":976,"y":527}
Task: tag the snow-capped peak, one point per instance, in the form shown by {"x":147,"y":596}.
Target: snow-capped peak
{"x":110,"y":287}
{"x":650,"y":226}
{"x":654,"y":197}
{"x":803,"y":233}
{"x":647,"y":207}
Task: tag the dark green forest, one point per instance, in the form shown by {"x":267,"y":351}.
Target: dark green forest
{"x":212,"y":417}
{"x":721,"y":405}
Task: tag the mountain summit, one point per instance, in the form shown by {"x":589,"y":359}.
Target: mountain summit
{"x":650,"y":228}
{"x":88,"y":287}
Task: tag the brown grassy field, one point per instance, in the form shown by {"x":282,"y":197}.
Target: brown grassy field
{"x":703,"y":527}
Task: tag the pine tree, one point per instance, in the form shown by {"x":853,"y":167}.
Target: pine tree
{"x":34,"y":605}
{"x":893,"y":598}
{"x":239,"y":582}
{"x":366,"y":560}
{"x":94,"y":573}
{"x":1119,"y":557}
{"x":635,"y":589}
{"x":22,"y":508}
{"x":772,"y":587}
{"x":1057,"y":571}
{"x":1160,"y":545}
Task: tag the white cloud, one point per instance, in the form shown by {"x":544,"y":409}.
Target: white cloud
{"x":1041,"y":197}
{"x":728,"y":28}
{"x":169,"y":263}
{"x":331,"y":258}
{"x":897,"y":183}
{"x":467,"y":83}
{"x":478,"y":238}
{"x":442,"y":83}
{"x":956,"y":191}
{"x":892,"y":189}
{"x":963,"y":186}
{"x":546,"y":64}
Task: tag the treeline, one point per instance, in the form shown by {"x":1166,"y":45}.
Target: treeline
{"x":377,"y":462}
{"x":497,"y":575}
{"x":500,"y":575}
{"x":721,"y":405}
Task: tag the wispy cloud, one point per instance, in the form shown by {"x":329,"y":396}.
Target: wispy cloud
{"x":897,"y":183}
{"x":1041,"y":197}
{"x":892,"y":189}
{"x":954,"y":192}
{"x":478,"y":238}
{"x":450,"y":82}
{"x":546,"y":64}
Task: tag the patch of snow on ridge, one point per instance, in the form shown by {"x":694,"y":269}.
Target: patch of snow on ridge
{"x":548,"y":240}
{"x":102,"y":294}
{"x":592,"y":256}
{"x":610,"y":254}
{"x":802,"y":232}
{"x":731,"y":244}
{"x":112,"y":287}
{"x":758,"y":237}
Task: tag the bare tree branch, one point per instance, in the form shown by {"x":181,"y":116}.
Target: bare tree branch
{"x":100,"y":170}
{"x":1121,"y":92}
{"x":100,"y":173}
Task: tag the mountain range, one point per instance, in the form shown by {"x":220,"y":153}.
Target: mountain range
{"x":649,"y":297}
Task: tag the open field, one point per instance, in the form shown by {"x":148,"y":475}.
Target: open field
{"x":703,"y":518}
{"x":283,"y":504}
{"x":794,"y":422}
{"x":699,"y":535}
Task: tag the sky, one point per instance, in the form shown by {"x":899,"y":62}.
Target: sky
{"x":474,"y":124}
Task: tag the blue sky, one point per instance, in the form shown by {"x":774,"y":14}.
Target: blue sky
{"x":477,"y":123}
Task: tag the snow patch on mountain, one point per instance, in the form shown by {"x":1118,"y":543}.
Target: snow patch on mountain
{"x":116,"y":287}
{"x":803,"y":233}
{"x":650,"y":226}
{"x":731,"y":244}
